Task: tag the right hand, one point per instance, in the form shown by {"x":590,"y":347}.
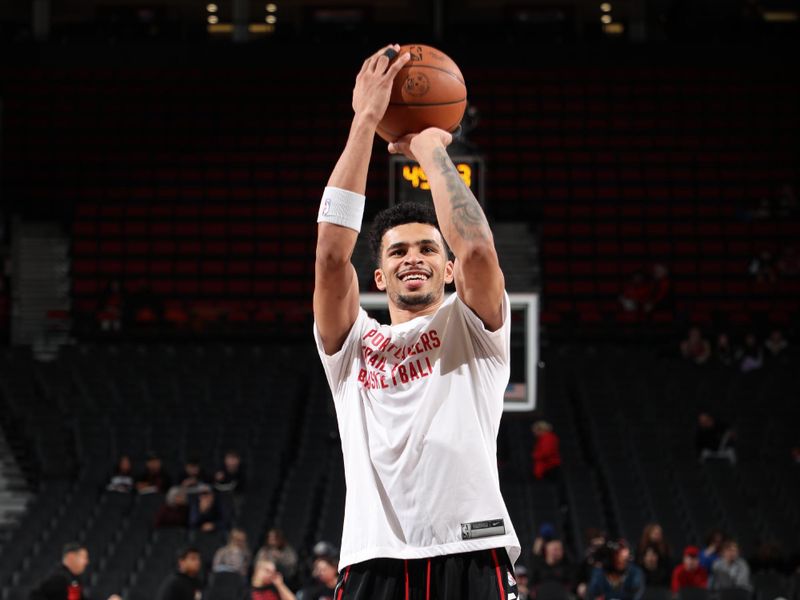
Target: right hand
{"x":374,"y":84}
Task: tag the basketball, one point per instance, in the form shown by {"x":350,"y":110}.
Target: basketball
{"x":428,"y":92}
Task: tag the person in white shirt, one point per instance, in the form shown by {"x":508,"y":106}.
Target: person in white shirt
{"x":419,"y":401}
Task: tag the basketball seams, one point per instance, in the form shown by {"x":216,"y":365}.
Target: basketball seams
{"x":412,"y":65}
{"x":464,"y":99}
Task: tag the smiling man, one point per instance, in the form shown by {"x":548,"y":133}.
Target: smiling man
{"x":418,"y":401}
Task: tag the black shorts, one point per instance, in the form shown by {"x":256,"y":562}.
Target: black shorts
{"x":481,"y":575}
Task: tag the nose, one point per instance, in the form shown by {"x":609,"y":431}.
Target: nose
{"x":413,"y":257}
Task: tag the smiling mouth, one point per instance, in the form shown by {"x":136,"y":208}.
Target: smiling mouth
{"x":413,"y":276}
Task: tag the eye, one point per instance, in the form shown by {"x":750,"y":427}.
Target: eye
{"x":428,"y":249}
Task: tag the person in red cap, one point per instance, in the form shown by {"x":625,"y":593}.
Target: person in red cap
{"x":689,"y":574}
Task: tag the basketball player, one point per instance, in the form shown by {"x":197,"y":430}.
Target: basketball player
{"x":418,"y":401}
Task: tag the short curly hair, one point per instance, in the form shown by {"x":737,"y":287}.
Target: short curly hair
{"x":400,"y":214}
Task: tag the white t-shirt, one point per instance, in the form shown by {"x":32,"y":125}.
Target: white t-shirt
{"x":419,"y":406}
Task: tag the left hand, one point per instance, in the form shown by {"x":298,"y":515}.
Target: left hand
{"x":409,"y":145}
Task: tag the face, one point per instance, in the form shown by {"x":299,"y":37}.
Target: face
{"x":190,"y":564}
{"x":705,"y":420}
{"x":621,"y":559}
{"x":265,"y":573}
{"x":690,"y":562}
{"x":325,"y":572}
{"x":554,"y":551}
{"x":730,"y":552}
{"x":414,"y":267}
{"x":192,"y":469}
{"x":238,"y":538}
{"x":694,"y":334}
{"x":77,"y":561}
{"x":206,"y":501}
{"x":272,"y":538}
{"x":154,"y":465}
{"x":650,"y":559}
{"x":232,"y":462}
{"x":125,"y":464}
{"x":656,"y":534}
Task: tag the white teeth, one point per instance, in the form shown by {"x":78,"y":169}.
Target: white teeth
{"x":414,"y":278}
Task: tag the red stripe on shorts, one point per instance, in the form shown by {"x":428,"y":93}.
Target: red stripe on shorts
{"x":428,"y":582}
{"x":405,"y":567}
{"x":499,"y":575}
{"x":341,"y":589}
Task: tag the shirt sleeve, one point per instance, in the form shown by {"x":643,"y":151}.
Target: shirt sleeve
{"x":495,"y":344}
{"x":338,"y":365}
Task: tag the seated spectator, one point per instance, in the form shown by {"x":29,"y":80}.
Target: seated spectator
{"x":763,"y":267}
{"x":617,"y":578}
{"x":185,"y":583}
{"x":122,"y":479}
{"x":230,"y":478}
{"x":730,"y":570}
{"x":775,"y":343}
{"x":714,"y":439}
{"x":65,"y":582}
{"x":193,"y":480}
{"x":546,"y":533}
{"x":653,"y":537}
{"x":751,"y":356}
{"x":233,"y":557}
{"x":154,"y":480}
{"x":695,"y":347}
{"x":546,"y":454}
{"x":280,"y":552}
{"x":689,"y":574}
{"x":205,"y":512}
{"x":175,"y":510}
{"x":636,"y":293}
{"x":552,"y":565}
{"x":724,"y":350}
{"x":656,"y":569}
{"x":660,"y":289}
{"x":710,"y":552}
{"x":325,"y":576}
{"x":523,"y":582}
{"x":595,"y":549}
{"x":268,"y":584}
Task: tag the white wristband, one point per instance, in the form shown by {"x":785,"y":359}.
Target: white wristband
{"x":341,"y":207}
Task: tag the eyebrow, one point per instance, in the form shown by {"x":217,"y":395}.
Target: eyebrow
{"x":419,"y":243}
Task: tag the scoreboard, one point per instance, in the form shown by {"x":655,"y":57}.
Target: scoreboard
{"x":408,"y":182}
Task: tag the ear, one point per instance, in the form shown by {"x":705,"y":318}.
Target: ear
{"x":449,"y":271}
{"x":380,"y":280}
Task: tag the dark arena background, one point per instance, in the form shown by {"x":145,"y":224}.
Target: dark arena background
{"x":162,"y":166}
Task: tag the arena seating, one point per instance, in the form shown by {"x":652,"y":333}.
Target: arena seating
{"x":625,"y":416}
{"x":206,"y":204}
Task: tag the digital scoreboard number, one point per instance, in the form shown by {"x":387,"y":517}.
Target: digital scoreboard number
{"x":408,"y":182}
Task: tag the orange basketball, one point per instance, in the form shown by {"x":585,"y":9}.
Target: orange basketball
{"x":429,"y":91}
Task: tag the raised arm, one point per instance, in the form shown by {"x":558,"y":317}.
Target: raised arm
{"x":479,"y":280}
{"x":335,"y":281}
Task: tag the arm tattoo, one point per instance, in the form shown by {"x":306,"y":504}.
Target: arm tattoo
{"x":467,"y":216}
